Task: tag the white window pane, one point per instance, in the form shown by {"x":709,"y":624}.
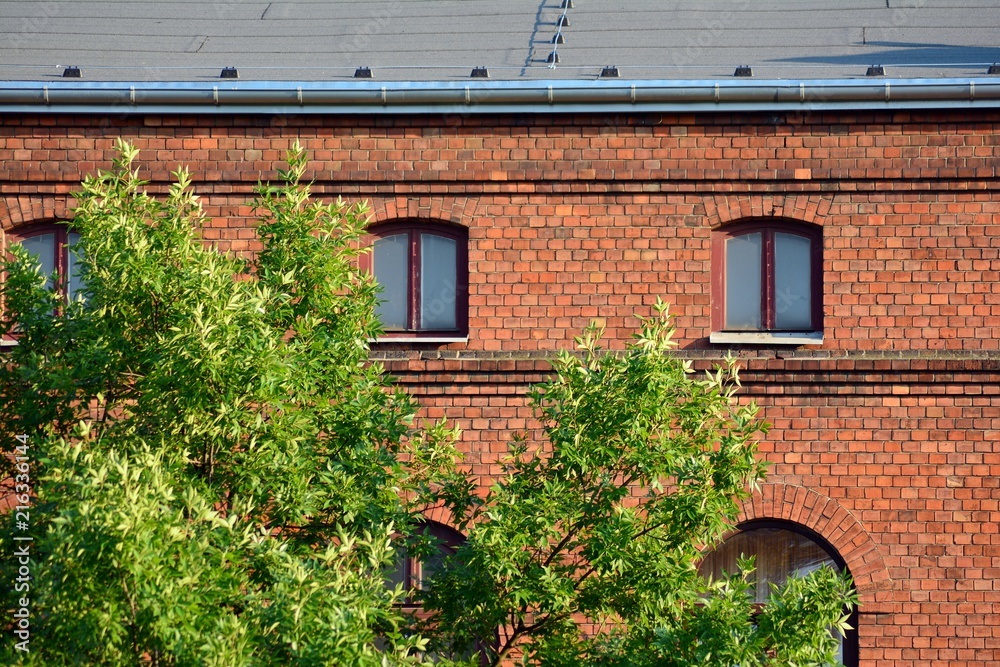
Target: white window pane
{"x":438,"y":282}
{"x":73,"y":278}
{"x":391,"y":271}
{"x":743,"y":282}
{"x":792,"y":282}
{"x":43,"y":248}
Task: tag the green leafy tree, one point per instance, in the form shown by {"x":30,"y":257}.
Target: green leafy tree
{"x":586,"y":550}
{"x":216,"y":468}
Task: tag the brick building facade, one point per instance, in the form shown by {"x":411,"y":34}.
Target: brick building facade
{"x":884,"y":427}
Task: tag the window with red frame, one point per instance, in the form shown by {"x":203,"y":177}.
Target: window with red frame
{"x":424,"y":273}
{"x":50,"y":244}
{"x":767,"y":278}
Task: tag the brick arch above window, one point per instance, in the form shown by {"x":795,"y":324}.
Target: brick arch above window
{"x":17,"y":212}
{"x":831,"y":521}
{"x":459,"y":211}
{"x":423,"y":268}
{"x":725,"y":209}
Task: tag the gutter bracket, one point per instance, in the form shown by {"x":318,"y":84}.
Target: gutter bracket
{"x":215,"y":94}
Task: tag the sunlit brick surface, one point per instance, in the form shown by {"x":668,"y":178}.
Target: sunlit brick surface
{"x":884,"y":438}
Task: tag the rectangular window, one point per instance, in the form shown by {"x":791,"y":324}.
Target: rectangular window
{"x":423,"y":271}
{"x":767,"y":284}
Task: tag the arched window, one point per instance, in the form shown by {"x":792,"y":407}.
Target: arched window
{"x":780,"y":550}
{"x":767,"y":279}
{"x":50,"y":244}
{"x":423,"y":269}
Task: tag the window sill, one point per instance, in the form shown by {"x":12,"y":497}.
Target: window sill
{"x":767,"y":337}
{"x":420,"y":339}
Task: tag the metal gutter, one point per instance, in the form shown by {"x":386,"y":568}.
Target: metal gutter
{"x":475,"y":97}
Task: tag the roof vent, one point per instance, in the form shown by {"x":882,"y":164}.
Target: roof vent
{"x":229,"y":73}
{"x":72,"y":72}
{"x":553,"y":58}
{"x":363,"y":73}
{"x":563,"y":21}
{"x":875,"y":70}
{"x":994,"y":69}
{"x":610,"y":72}
{"x":743,"y":70}
{"x":558,"y":39}
{"x":480,"y":73}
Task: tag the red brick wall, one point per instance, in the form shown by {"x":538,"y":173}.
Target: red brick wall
{"x":884,"y":436}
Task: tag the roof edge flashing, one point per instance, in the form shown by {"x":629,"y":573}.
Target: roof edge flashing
{"x":485,"y":96}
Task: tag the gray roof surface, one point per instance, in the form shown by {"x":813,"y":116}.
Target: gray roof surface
{"x":442,"y":40}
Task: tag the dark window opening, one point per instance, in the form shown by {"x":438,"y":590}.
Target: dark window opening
{"x":780,"y":550}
